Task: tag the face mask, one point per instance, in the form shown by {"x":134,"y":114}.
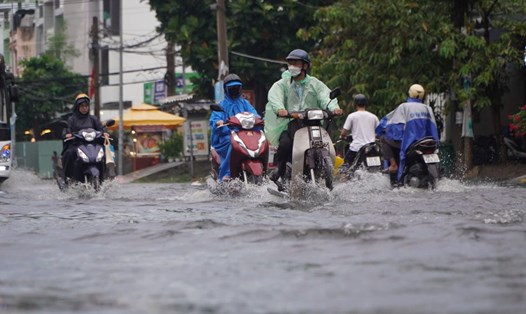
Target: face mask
{"x":294,"y":70}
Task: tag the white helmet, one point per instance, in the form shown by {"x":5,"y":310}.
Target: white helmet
{"x":416,"y":91}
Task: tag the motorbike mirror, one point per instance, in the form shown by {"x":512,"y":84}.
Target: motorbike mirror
{"x":110,"y":122}
{"x":335,"y":93}
{"x":215,"y":107}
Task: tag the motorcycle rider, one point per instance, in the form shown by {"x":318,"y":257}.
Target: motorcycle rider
{"x":361,"y":124}
{"x":232,"y":104}
{"x":409,"y":122}
{"x":80,"y":119}
{"x":299,"y":92}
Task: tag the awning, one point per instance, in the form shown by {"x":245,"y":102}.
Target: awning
{"x":175,"y":98}
{"x":148,"y":115}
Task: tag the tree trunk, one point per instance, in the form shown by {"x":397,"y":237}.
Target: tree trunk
{"x":468,"y":153}
{"x":496,"y":108}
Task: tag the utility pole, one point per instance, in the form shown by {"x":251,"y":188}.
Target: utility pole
{"x":121,"y":96}
{"x":169,"y":78}
{"x":96,"y":64}
{"x":222,"y":51}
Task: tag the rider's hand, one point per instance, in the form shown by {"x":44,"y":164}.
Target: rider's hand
{"x":282,"y":113}
{"x":220,"y":123}
{"x":106,"y":135}
{"x":68,"y":135}
{"x":337,"y":112}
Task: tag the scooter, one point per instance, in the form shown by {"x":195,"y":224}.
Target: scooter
{"x":368,"y":157}
{"x":421,"y":166}
{"x":90,"y":164}
{"x":313,"y":153}
{"x":250,"y":149}
{"x":513,"y":149}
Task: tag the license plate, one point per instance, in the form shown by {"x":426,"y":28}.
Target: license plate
{"x":431,"y":158}
{"x":373,"y":161}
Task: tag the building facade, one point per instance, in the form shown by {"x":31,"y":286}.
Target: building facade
{"x":28,"y":29}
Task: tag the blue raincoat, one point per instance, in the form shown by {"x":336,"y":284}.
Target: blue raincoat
{"x":220,"y":137}
{"x":409,"y":122}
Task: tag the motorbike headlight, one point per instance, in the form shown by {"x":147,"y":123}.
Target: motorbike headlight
{"x":315,"y":115}
{"x":100,"y":155}
{"x":82,"y":155}
{"x":89,"y":136}
{"x":247,"y":120}
{"x":5,"y":152}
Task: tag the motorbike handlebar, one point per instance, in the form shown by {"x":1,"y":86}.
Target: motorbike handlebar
{"x":299,"y":115}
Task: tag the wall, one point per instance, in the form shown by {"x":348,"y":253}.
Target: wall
{"x":36,"y":156}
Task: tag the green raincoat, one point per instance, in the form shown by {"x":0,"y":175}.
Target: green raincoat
{"x":283,"y":95}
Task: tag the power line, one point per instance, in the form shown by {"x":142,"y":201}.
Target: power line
{"x":256,"y":58}
{"x":85,"y":76}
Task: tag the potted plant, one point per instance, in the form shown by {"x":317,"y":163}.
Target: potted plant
{"x":172,"y":148}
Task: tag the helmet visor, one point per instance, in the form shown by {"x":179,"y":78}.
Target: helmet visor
{"x":234,"y":91}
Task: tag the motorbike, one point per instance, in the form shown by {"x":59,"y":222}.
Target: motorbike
{"x":250,"y":149}
{"x":90,"y":164}
{"x":514,"y":150}
{"x":313,"y":153}
{"x":368,"y":157}
{"x":421,"y":166}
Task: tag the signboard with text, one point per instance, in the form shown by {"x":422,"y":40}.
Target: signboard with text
{"x":153,"y":92}
{"x":159,"y":91}
{"x":196,"y":138}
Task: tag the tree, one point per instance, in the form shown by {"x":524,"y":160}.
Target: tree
{"x":265,"y":29}
{"x":46,"y":90}
{"x":381,"y":47}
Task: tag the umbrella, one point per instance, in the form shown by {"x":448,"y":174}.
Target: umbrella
{"x":148,"y":115}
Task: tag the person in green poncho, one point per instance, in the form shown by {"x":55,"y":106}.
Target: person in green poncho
{"x":298,"y":92}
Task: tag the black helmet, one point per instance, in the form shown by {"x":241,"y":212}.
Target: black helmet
{"x":232,"y":80}
{"x":360,"y":100}
{"x":299,"y":54}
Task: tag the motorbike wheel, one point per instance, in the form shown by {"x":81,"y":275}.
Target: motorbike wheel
{"x":328,"y":172}
{"x":252,"y":179}
{"x":433,"y":174}
{"x":95,"y":183}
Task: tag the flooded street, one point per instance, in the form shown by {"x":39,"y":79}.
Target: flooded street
{"x":175,"y":248}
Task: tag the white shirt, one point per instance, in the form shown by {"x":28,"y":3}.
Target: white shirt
{"x":362,"y":125}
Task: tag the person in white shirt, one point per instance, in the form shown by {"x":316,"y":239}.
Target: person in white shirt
{"x":361,"y":124}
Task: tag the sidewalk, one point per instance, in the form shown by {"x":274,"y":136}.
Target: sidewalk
{"x":130,"y":177}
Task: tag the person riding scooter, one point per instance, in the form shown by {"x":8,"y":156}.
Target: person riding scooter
{"x":361,"y":124}
{"x":299,"y":92}
{"x":409,"y":122}
{"x":80,"y":119}
{"x":232,"y":104}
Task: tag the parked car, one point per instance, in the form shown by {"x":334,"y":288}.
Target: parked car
{"x":5,"y":160}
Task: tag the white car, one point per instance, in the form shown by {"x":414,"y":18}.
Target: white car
{"x":5,"y":160}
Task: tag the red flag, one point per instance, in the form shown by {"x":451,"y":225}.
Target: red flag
{"x":91,"y":83}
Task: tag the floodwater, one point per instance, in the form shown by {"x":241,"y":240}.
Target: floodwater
{"x":175,"y":248}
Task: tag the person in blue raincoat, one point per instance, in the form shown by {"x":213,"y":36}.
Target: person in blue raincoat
{"x":232,"y":104}
{"x":409,"y":122}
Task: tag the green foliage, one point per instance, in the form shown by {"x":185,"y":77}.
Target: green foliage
{"x":173,"y":146}
{"x":382,"y":47}
{"x":265,"y":29}
{"x":46,"y":88}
